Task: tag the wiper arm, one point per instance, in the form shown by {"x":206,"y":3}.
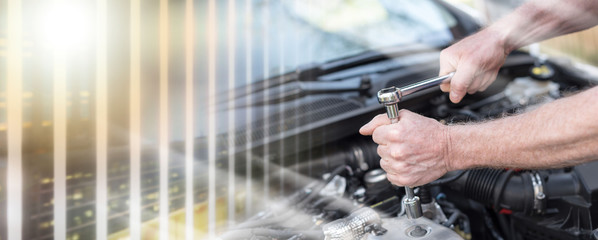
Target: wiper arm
{"x":294,"y":90}
{"x":311,"y":72}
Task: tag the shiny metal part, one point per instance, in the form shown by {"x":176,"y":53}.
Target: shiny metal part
{"x":355,"y":226}
{"x":539,"y":195}
{"x":374,"y":176}
{"x":425,"y":84}
{"x":360,"y":158}
{"x":412,"y":206}
{"x":433,"y":211}
{"x":390,"y":98}
{"x":417,"y":229}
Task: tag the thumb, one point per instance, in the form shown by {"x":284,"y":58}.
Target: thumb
{"x":376,"y":122}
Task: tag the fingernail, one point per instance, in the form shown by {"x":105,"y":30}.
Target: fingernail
{"x":453,"y":95}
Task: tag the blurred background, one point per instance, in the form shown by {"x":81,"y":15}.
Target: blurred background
{"x":581,"y":46}
{"x":109,"y":127}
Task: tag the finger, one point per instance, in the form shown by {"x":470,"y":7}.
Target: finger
{"x":447,"y":63}
{"x":385,"y":164}
{"x":461,"y":81}
{"x":384,"y":134}
{"x":396,"y":179}
{"x":379,"y":120}
{"x":489,"y":81}
{"x":475,"y":86}
{"x":383,"y":151}
{"x":445,"y":87}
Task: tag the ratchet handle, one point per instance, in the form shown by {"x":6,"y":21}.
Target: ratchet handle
{"x":425,"y":84}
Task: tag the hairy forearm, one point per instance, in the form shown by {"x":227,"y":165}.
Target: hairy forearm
{"x":557,"y":134}
{"x":539,"y":20}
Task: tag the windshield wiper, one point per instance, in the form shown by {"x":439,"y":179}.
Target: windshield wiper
{"x":311,"y":72}
{"x":297,"y":89}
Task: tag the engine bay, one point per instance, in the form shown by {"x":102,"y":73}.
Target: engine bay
{"x":340,"y":191}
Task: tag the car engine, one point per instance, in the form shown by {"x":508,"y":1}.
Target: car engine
{"x":338,"y":190}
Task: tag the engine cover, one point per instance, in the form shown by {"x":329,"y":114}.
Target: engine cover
{"x":420,"y":228}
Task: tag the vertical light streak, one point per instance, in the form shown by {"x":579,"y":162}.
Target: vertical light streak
{"x":280,"y":106}
{"x":296,"y":112}
{"x":189,"y":132}
{"x":231,"y":21}
{"x":310,"y":5}
{"x":211,"y":119}
{"x":164,"y":209}
{"x":60,"y":93}
{"x":135,"y":122}
{"x":14,"y":92}
{"x":101,"y":124}
{"x":249,"y":112}
{"x":266,"y":47}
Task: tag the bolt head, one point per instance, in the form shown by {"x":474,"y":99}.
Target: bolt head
{"x":390,"y":95}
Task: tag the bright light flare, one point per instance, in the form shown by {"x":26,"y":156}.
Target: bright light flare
{"x":66,"y":26}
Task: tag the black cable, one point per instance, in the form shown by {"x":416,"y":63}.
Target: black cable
{"x":505,"y":226}
{"x":451,"y":220}
{"x":490,"y":226}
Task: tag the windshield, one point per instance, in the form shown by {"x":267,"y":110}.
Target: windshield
{"x":301,"y":32}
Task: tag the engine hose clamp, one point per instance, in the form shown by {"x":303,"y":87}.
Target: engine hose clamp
{"x":539,"y":195}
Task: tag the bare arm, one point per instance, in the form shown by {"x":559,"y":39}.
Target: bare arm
{"x":418,"y":150}
{"x":561,"y":133}
{"x":539,"y":20}
{"x":477,"y":59}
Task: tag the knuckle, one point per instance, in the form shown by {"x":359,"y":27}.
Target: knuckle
{"x":394,"y":135}
{"x":446,"y":53}
{"x":381,"y":150}
{"x":402,"y":180}
{"x":395,"y":153}
{"x":391,"y":178}
{"x":377,"y":136}
{"x":460,"y":87}
{"x":384,"y":164}
{"x":409,"y":181}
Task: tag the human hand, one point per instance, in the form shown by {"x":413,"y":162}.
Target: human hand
{"x":414,"y":151}
{"x":475,"y":61}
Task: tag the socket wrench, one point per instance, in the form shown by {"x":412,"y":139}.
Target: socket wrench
{"x":390,"y":98}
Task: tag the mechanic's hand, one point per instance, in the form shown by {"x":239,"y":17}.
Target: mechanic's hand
{"x":414,"y":151}
{"x":475,"y":61}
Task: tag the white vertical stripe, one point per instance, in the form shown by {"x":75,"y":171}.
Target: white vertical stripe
{"x":101,"y":124}
{"x":164,"y":151}
{"x":296,"y":45}
{"x":248,"y":114}
{"x":211,"y":119}
{"x":266,"y":46}
{"x":189,"y":132}
{"x":135,"y":122}
{"x":14,"y":183}
{"x":231,"y":105}
{"x":60,"y":93}
{"x":280,"y":107}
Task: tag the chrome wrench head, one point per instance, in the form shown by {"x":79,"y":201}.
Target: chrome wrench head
{"x":390,"y":98}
